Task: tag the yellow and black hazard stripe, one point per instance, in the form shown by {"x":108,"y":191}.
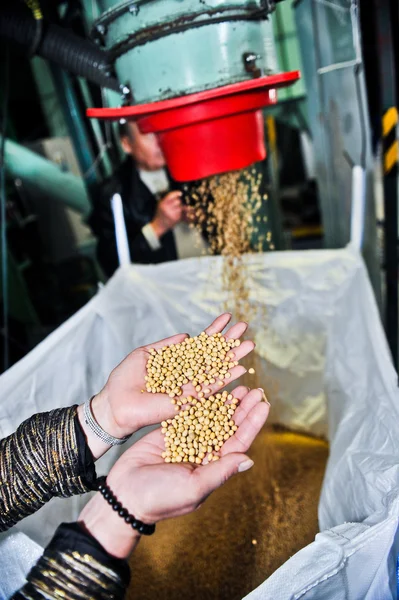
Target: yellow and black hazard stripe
{"x":390,"y":140}
{"x":34,"y":5}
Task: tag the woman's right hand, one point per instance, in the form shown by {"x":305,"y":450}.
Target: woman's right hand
{"x":122,"y":408}
{"x":152,"y":490}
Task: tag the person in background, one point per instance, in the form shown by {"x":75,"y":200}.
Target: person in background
{"x":52,"y":454}
{"x":140,"y":180}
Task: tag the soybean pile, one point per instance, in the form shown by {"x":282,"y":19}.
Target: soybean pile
{"x":200,"y":430}
{"x":205,"y":422}
{"x":243,"y":532}
{"x":202,"y":360}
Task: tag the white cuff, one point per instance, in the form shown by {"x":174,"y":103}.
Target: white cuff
{"x":151,"y":237}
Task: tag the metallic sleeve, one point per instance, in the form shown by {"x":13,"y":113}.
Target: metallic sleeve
{"x":75,"y":566}
{"x":37,"y":462}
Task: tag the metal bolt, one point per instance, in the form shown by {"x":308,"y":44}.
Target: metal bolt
{"x":127,"y":96}
{"x":101,"y":29}
{"x":250,"y":59}
{"x":134,"y":9}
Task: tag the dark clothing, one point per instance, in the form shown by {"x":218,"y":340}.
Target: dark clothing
{"x":75,"y":565}
{"x":139,"y":207}
{"x":48,"y":457}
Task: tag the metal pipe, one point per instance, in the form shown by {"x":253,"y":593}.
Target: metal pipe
{"x":45,"y":177}
{"x":103,"y":145}
{"x":61,"y":46}
{"x":122,"y":243}
{"x":76,"y":125}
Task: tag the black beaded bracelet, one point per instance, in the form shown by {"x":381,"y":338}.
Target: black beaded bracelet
{"x":109,"y":496}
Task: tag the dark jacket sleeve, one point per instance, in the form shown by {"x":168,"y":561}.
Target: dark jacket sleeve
{"x":101,"y":222}
{"x":74,"y":565}
{"x":46,"y":457}
{"x":139,"y":207}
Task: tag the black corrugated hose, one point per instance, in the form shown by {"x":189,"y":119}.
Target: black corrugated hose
{"x":71,"y":52}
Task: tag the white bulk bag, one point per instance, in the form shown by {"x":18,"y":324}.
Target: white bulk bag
{"x":322,"y":341}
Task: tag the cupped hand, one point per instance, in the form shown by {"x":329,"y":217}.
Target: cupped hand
{"x":124,"y":406}
{"x":152,"y":490}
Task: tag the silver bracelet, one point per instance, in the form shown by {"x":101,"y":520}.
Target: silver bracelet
{"x":108,"y":439}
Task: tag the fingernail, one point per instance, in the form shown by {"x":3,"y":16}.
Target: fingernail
{"x":264,"y":396}
{"x":245,"y":465}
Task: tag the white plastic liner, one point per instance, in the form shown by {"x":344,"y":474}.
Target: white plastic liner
{"x":321,"y":340}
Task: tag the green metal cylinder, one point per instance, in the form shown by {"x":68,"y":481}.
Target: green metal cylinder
{"x":168,"y":48}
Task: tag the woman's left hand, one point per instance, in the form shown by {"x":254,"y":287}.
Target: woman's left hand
{"x":124,"y":406}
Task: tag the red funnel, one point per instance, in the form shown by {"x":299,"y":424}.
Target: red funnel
{"x":209,"y":132}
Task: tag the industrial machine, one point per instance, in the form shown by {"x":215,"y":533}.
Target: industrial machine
{"x":195,"y":73}
{"x":198,"y":74}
